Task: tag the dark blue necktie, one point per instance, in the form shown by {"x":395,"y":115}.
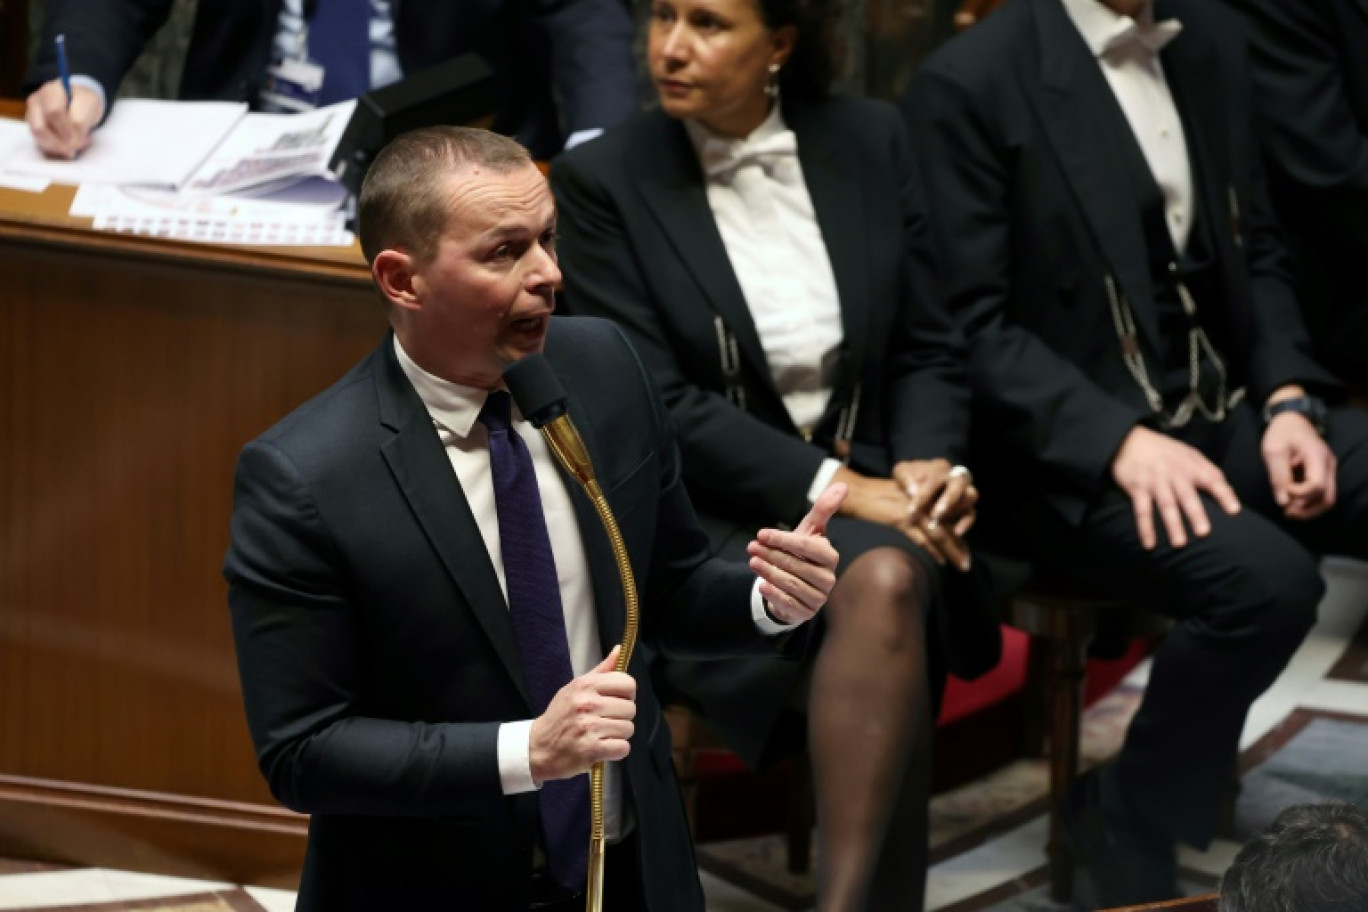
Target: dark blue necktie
{"x":539,"y":625}
{"x":339,"y":39}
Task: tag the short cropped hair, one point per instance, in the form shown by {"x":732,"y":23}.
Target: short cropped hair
{"x":404,"y":202}
{"x":1312,"y":858}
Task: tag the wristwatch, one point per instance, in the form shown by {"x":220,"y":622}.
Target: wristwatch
{"x":1312,"y":408}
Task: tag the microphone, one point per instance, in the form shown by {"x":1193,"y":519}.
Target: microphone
{"x":542,"y":400}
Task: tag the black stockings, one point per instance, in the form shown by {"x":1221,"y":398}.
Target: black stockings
{"x":869,"y":733}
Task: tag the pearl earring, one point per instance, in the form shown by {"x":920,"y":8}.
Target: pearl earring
{"x":772,"y":87}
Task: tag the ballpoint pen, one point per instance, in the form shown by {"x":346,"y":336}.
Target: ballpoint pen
{"x":63,"y":68}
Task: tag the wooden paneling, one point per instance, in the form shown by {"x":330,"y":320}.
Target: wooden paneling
{"x":85,"y":824}
{"x":131,"y":373}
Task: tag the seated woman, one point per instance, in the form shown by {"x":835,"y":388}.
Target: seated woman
{"x":764,"y":247}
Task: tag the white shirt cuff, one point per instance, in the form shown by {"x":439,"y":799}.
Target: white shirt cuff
{"x":582,"y":136}
{"x":763,"y":622}
{"x":515,"y":757}
{"x":822,"y":480}
{"x":93,"y":84}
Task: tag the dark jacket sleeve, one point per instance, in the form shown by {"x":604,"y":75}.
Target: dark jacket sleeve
{"x":928,"y":357}
{"x":1311,"y":137}
{"x":592,"y":62}
{"x":1281,"y":349}
{"x":1043,"y":405}
{"x":300,"y":656}
{"x":103,"y":39}
{"x":729,"y":455}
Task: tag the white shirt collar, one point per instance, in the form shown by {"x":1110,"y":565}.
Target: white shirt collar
{"x":1100,"y":25}
{"x":451,"y":405}
{"x":772,"y":125}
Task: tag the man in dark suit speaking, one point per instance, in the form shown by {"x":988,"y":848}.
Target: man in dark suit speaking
{"x":424,"y":608}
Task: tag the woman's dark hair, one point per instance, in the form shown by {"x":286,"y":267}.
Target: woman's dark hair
{"x":819,"y":55}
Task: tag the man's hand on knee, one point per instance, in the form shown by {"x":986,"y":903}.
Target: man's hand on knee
{"x":1165,"y":476}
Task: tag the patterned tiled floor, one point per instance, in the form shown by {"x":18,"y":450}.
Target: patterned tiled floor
{"x":1304,"y":740}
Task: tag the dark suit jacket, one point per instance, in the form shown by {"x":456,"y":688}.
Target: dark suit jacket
{"x":1010,"y":121}
{"x":584,"y":46}
{"x":639,"y":245}
{"x":376,"y":652}
{"x":1311,"y":80}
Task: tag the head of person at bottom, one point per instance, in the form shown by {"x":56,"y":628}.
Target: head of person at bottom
{"x":458,"y":226}
{"x":723,"y":63}
{"x":1312,"y":858}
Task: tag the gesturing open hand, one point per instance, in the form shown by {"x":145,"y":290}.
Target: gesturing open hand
{"x":797,"y":569}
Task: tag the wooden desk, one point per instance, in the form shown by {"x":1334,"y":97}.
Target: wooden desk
{"x":132,"y":371}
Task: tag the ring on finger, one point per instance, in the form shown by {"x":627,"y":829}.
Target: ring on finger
{"x":960,"y":471}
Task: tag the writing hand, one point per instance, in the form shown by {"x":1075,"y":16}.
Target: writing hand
{"x":63,"y":131}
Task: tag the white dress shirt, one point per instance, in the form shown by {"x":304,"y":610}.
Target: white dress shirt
{"x":769,"y":228}
{"x":1127,"y":50}
{"x":454,"y":410}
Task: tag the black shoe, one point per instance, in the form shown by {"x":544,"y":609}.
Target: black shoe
{"x":1124,"y":861}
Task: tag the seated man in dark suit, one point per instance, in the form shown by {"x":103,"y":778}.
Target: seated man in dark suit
{"x":1311,"y":858}
{"x":581,"y":47}
{"x":1311,"y":98}
{"x":422,"y":605}
{"x":1149,"y":415}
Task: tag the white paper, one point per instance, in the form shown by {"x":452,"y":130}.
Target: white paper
{"x":154,"y":143}
{"x":307,"y":200}
{"x":305,"y":214}
{"x":271,"y":149}
{"x":27,"y":184}
{"x":316,"y":233}
{"x":14,"y":139}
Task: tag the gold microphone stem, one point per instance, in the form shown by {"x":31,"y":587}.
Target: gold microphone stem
{"x":597,"y":846}
{"x":568,"y":448}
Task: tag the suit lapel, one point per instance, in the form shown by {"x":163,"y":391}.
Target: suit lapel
{"x":423,"y":472}
{"x":1072,"y":99}
{"x":673,"y":187}
{"x":1197,"y":92}
{"x":609,"y":604}
{"x":834,"y":182}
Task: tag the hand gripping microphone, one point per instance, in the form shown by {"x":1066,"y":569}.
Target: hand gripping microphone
{"x":542,"y":400}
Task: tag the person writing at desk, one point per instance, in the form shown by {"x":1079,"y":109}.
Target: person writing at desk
{"x":763,"y":244}
{"x":423,"y":611}
{"x":324,"y":51}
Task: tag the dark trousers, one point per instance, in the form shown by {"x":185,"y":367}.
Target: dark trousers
{"x":1242,"y":598}
{"x":622,"y":890}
